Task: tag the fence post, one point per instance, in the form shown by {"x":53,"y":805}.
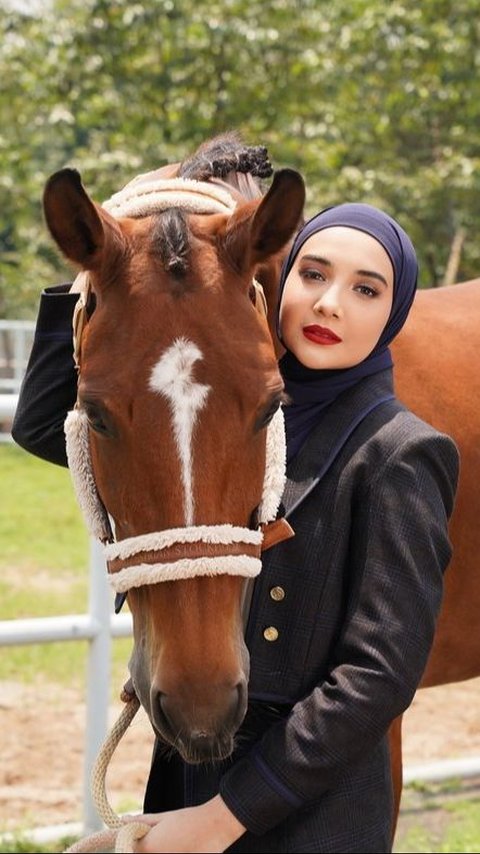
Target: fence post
{"x":19,"y":355}
{"x":98,"y":678}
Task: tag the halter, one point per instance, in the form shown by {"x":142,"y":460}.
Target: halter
{"x":175,"y":553}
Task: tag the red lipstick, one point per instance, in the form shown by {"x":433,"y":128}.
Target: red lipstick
{"x":320,"y":334}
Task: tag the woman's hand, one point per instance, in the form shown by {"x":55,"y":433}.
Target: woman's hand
{"x":207,"y":829}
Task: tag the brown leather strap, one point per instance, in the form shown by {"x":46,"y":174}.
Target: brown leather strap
{"x":275,"y":532}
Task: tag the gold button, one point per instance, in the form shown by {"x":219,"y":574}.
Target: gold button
{"x":277,"y":593}
{"x":270,"y":633}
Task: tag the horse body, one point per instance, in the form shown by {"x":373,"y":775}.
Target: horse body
{"x":437,"y":376}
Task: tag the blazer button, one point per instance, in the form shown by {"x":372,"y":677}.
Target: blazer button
{"x":270,"y":633}
{"x":277,"y":594}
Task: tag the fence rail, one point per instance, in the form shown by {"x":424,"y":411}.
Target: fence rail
{"x":8,"y":405}
{"x":16,"y":337}
{"x":98,"y":627}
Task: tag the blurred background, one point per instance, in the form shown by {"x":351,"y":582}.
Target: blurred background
{"x":371,"y":100}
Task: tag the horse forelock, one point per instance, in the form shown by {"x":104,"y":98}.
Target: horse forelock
{"x":170,"y":241}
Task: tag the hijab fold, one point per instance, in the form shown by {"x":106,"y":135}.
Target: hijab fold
{"x":311,"y":391}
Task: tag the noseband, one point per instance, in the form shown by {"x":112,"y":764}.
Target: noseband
{"x":187,"y":552}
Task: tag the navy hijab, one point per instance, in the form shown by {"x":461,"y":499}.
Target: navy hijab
{"x":312,"y":391}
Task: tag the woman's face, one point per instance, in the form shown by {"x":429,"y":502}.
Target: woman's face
{"x":337,"y":298}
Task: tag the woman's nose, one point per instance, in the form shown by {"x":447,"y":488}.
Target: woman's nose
{"x":328,"y":303}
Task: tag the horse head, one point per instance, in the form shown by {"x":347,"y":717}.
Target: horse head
{"x":169,"y":444}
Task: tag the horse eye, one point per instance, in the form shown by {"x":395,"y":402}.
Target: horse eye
{"x":267,"y":415}
{"x":95,"y":419}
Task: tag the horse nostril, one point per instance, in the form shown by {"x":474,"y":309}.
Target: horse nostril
{"x":161,"y":717}
{"x":239,"y":701}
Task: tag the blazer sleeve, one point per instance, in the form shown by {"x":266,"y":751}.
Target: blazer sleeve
{"x":393,"y":603}
{"x":49,"y":386}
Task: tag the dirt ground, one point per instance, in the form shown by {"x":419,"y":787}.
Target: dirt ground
{"x":42,"y":742}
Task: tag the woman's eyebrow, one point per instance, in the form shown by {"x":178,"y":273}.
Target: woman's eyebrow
{"x":373,"y":275}
{"x":316,"y":258}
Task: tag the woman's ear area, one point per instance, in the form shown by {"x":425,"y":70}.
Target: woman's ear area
{"x":80,"y":228}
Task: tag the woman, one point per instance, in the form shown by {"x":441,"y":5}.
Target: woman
{"x":343,"y":615}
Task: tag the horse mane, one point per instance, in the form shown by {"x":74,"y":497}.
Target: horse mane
{"x":227,"y":160}
{"x":224,"y":160}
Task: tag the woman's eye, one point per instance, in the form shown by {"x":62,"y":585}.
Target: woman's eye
{"x":312,"y":275}
{"x":367,"y":290}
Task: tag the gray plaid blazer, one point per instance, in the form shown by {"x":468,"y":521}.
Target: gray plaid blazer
{"x":341,"y":620}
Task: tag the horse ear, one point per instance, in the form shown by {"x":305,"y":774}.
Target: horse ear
{"x":79,"y":227}
{"x":278,"y":215}
{"x":262,"y":228}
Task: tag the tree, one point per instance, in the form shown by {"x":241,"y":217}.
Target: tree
{"x":371,"y":101}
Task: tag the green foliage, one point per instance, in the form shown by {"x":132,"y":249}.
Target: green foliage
{"x":370,"y":100}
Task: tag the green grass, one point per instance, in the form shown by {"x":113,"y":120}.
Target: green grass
{"x":40,"y":523}
{"x":44,"y":556}
{"x":23,"y":845}
{"x":443,"y":817}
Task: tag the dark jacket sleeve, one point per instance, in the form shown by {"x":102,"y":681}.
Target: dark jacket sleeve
{"x":49,"y":387}
{"x":393,"y":602}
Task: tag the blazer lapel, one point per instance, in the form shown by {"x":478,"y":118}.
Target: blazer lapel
{"x":327,"y":440}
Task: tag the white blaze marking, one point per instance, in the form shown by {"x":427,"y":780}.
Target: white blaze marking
{"x":172,"y":377}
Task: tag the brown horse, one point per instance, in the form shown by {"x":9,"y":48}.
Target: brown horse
{"x":437,"y":376}
{"x":168,"y":445}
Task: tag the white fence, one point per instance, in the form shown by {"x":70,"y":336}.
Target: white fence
{"x":16,"y":338}
{"x":98,"y":627}
{"x":8,"y":405}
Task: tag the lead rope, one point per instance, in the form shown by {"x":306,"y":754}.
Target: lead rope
{"x":118,"y":833}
